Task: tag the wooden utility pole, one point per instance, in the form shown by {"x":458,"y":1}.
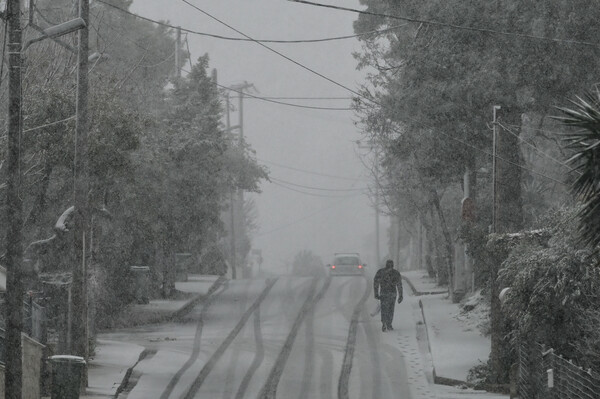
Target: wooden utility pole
{"x":371,"y":146}
{"x":79,"y":330}
{"x":239,"y":201}
{"x":508,"y":218}
{"x":178,"y":53}
{"x":495,"y":109}
{"x":233,"y":247}
{"x":14,"y":209}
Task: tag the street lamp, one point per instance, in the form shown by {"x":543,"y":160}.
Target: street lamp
{"x":56,"y":31}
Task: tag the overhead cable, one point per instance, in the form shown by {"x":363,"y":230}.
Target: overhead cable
{"x":50,"y":124}
{"x":309,"y":171}
{"x":307,"y":98}
{"x":451,"y":26}
{"x":538,"y":150}
{"x":362,"y":95}
{"x":266,"y":99}
{"x":317,"y":188}
{"x":273,"y":50}
{"x":312,"y":194}
{"x":302,"y":219}
{"x":244,"y":39}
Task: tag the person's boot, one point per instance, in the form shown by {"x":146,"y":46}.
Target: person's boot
{"x":383,"y":328}
{"x":390,"y":328}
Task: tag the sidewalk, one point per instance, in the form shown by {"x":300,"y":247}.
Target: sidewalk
{"x":450,"y":341}
{"x":114,"y":360}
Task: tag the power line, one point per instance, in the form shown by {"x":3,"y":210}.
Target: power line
{"x":500,"y":158}
{"x":243,"y":39}
{"x":306,"y":98}
{"x":302,"y":219}
{"x":359,"y":94}
{"x":317,"y":188}
{"x":308,"y":171}
{"x":452,"y":26}
{"x":315,"y":194}
{"x":538,"y":150}
{"x":273,"y":50}
{"x":326,"y":78}
{"x":49,"y":124}
{"x":266,"y":99}
{"x":274,"y":100}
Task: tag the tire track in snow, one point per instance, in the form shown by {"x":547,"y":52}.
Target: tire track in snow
{"x":229,"y":381}
{"x":269,"y":390}
{"x":196,"y":348}
{"x":210,"y":364}
{"x":258,"y":356}
{"x":344,"y":381}
{"x":309,"y":354}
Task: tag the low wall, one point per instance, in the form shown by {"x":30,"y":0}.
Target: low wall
{"x":32,"y":360}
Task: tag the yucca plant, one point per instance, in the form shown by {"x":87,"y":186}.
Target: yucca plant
{"x":584,"y":141}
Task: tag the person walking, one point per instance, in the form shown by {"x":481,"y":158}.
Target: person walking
{"x":386,"y":283}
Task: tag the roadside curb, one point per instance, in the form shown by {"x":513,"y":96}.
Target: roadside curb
{"x":439,"y":380}
{"x":128,"y":373}
{"x":420,"y":293}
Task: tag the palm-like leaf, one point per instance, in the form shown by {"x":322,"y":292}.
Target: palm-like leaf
{"x":584,"y":115}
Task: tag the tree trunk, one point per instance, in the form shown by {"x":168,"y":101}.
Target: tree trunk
{"x":509,"y":174}
{"x":449,"y":253}
{"x":509,"y":219}
{"x":39,"y":205}
{"x":14,"y":208}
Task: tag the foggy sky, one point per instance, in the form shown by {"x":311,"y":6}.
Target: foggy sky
{"x":314,"y":140}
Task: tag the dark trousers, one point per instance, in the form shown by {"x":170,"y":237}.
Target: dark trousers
{"x":388,"y":302}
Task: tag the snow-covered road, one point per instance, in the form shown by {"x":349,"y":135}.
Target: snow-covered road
{"x":278,"y":338}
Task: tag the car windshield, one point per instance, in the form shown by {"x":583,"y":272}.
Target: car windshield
{"x":346,"y":260}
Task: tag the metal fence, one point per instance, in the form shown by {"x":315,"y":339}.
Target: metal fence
{"x":34,"y":320}
{"x":545,"y":375}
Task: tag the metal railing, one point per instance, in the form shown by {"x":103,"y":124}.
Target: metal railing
{"x":545,"y":375}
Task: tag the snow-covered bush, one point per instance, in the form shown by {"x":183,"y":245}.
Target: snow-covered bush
{"x":554,"y":294}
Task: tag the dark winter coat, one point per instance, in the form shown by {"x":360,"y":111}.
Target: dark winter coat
{"x":386,"y":282}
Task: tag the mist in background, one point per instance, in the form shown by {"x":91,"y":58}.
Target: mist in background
{"x":341,"y":218}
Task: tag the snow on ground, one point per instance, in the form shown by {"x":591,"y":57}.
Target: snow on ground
{"x":456,"y":343}
{"x":113,"y":358}
{"x":196,"y":284}
{"x":422,"y":282}
{"x":109,"y":365}
{"x":159,"y":310}
{"x":456,"y":346}
{"x":445,"y":392}
{"x":454,"y":333}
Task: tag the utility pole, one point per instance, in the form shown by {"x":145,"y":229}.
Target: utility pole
{"x":14,"y":209}
{"x":233,"y":248}
{"x":79,"y":328}
{"x":178,"y":53}
{"x":496,"y":108}
{"x":371,"y":146}
{"x":239,"y":201}
{"x":377,"y":247}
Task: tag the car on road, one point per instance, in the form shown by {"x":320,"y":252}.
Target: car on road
{"x":346,"y":264}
